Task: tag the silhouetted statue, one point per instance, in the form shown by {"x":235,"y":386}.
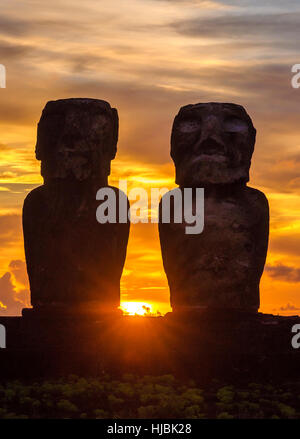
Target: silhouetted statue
{"x":212,"y":146}
{"x":73,"y":261}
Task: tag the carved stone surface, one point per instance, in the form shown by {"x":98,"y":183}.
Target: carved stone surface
{"x":211,"y":147}
{"x":72,"y":260}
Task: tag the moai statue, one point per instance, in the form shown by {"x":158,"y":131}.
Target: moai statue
{"x":212,"y":146}
{"x":73,"y":261}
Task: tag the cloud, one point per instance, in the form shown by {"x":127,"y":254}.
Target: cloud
{"x":7,"y":175}
{"x":10,"y":51}
{"x":283,"y":272}
{"x":18,"y":269}
{"x":14,"y":295}
{"x":11,"y":25}
{"x":203,"y":3}
{"x":281,"y":174}
{"x":287,"y":243}
{"x":278,"y":4}
{"x":266,"y":4}
{"x":10,"y":230}
{"x":148,"y":104}
{"x":245,"y":27}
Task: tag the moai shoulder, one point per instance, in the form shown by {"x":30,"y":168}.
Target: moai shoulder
{"x":72,"y":260}
{"x":212,"y":146}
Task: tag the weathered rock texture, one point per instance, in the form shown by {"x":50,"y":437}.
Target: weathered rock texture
{"x":211,"y":147}
{"x":74,"y":262}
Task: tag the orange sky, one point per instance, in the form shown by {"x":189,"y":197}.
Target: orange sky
{"x":148,"y":58}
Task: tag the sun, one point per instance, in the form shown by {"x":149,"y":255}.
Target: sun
{"x":136,"y":308}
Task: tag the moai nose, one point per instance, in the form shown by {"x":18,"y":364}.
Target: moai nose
{"x":210,"y":123}
{"x":212,"y":129}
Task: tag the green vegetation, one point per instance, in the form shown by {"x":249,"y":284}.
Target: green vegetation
{"x":146,"y":397}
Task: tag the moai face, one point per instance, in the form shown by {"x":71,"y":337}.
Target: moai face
{"x":77,"y":139}
{"x":212,"y":143}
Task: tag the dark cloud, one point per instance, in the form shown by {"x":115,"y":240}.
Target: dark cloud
{"x":13,"y":26}
{"x":266,"y":4}
{"x":245,"y":26}
{"x":11,"y":51}
{"x":283,"y":272}
{"x":243,"y":3}
{"x":281,"y":173}
{"x":193,"y":2}
{"x":287,"y":244}
{"x":289,"y":307}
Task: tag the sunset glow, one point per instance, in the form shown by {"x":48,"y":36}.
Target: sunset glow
{"x":136,"y":308}
{"x":148,"y":58}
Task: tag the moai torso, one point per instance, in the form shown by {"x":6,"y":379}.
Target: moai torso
{"x":212,"y":145}
{"x":72,"y":260}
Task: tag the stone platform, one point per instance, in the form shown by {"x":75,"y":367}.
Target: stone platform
{"x":201,"y":346}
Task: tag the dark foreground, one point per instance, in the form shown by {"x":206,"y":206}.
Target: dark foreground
{"x":147,"y":397}
{"x":231,"y":347}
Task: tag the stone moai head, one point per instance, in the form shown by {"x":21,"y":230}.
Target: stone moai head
{"x":212,"y":143}
{"x":77,"y":139}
